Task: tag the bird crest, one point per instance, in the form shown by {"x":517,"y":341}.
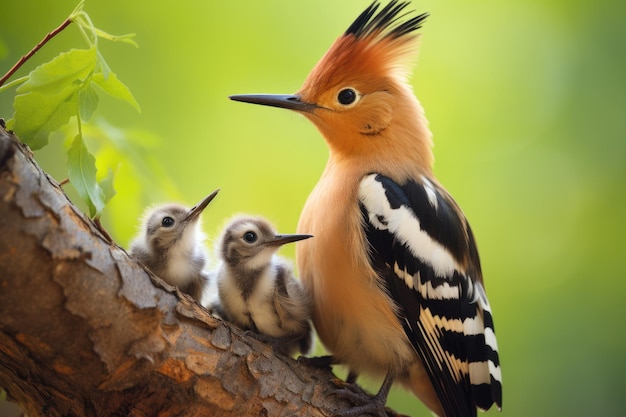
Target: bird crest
{"x":378,"y":44}
{"x":387,"y":23}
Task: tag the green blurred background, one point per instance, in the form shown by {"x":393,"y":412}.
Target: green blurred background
{"x":527,"y":103}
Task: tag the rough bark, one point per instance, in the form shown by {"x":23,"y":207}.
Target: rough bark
{"x":86,"y":331}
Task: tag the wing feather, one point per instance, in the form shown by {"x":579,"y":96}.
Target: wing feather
{"x":424,"y":251}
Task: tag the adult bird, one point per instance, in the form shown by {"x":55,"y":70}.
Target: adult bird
{"x":393,"y":270}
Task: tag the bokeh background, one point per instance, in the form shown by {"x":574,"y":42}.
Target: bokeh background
{"x":527,"y":102}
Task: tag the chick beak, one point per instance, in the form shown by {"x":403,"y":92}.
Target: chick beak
{"x":196,"y":210}
{"x":280,"y":240}
{"x":284,"y":101}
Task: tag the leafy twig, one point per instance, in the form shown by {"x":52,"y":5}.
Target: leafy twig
{"x":32,"y":52}
{"x":63,"y":88}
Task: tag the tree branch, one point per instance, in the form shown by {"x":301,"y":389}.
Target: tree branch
{"x":86,"y":331}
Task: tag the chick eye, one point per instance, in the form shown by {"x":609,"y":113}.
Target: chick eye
{"x":250,"y":237}
{"x":167,"y":221}
{"x":347,"y":96}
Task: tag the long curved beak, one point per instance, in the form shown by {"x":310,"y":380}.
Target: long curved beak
{"x":284,"y":101}
{"x":196,"y":210}
{"x":280,"y":240}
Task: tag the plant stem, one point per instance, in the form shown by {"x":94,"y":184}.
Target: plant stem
{"x":25,"y":58}
{"x":14,"y":83}
{"x":100,"y":227}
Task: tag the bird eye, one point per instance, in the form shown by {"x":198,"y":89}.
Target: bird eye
{"x":250,"y":237}
{"x":167,"y":221}
{"x":346,"y":96}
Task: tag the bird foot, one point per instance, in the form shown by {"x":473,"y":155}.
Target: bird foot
{"x":352,"y":393}
{"x":320,"y":362}
{"x":372,"y":405}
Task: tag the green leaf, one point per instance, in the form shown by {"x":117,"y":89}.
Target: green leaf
{"x":37,"y":114}
{"x":49,"y":98}
{"x":68,"y":68}
{"x":106,"y":185}
{"x":87,"y":101}
{"x":103,"y":67}
{"x":115,"y":88}
{"x":81,"y":167}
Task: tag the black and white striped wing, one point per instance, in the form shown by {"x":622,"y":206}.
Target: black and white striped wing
{"x":423,"y":249}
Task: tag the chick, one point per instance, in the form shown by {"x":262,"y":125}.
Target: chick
{"x":170,"y":243}
{"x":257,"y":289}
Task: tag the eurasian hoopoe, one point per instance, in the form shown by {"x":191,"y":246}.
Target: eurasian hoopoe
{"x":393,"y":270}
{"x":170,"y":243}
{"x":257,"y":289}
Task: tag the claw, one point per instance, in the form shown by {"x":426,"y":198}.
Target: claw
{"x":320,"y":362}
{"x":353,"y":394}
